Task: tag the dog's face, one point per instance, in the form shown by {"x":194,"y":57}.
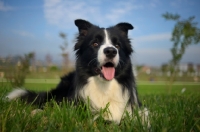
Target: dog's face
{"x":103,"y":51}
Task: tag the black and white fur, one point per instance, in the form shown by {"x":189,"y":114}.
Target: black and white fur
{"x":96,"y":48}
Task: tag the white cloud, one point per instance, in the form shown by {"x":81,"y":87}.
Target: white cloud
{"x":152,"y":56}
{"x":192,"y":54}
{"x":157,"y":56}
{"x":154,"y":51}
{"x":179,"y":3}
{"x":153,"y":37}
{"x":154,"y":3}
{"x":4,"y":7}
{"x":62,"y":13}
{"x":23,"y":33}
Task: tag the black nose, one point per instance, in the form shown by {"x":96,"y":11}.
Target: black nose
{"x":110,"y":52}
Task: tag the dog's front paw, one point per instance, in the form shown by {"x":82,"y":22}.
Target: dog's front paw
{"x":144,"y":116}
{"x":35,"y":111}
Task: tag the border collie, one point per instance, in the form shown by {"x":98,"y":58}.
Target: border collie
{"x":103,"y":73}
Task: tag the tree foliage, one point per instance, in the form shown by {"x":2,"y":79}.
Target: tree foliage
{"x":18,"y":75}
{"x":65,"y":55}
{"x":65,"y":44}
{"x":185,"y":33}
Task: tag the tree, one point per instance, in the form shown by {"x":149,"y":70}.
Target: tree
{"x":64,"y":46}
{"x":49,"y":59}
{"x":164,"y":68}
{"x":64,"y":54}
{"x":185,"y":33}
{"x":17,"y":77}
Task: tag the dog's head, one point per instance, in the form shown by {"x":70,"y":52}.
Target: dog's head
{"x":103,"y":51}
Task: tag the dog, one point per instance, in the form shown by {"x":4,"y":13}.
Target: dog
{"x":103,"y":75}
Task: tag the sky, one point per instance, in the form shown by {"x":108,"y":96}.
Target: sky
{"x":27,"y":26}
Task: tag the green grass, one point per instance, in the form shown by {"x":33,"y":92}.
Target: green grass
{"x":173,"y":112}
{"x":163,"y":89}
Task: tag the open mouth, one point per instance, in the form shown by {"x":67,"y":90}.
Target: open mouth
{"x":107,"y":71}
{"x":108,"y":64}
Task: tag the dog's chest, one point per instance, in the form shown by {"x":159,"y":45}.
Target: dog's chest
{"x":105,"y":93}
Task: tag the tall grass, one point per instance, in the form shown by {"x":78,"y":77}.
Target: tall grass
{"x":168,"y":112}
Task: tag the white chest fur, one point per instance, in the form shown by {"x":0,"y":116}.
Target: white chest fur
{"x":101,"y":93}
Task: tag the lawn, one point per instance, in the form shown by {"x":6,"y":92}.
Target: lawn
{"x":174,"y":111}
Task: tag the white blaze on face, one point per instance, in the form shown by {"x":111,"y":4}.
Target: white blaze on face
{"x":107,"y":39}
{"x":107,"y":43}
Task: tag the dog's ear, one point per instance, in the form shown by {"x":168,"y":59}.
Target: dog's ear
{"x":124,"y":27}
{"x":83,"y":26}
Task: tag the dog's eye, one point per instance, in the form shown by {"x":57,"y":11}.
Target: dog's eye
{"x":95,"y":44}
{"x":117,"y":46}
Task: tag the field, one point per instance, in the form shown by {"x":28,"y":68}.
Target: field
{"x":175,"y":111}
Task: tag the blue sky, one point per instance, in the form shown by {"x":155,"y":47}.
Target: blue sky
{"x":27,"y":26}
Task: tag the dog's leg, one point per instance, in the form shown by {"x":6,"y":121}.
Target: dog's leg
{"x":35,"y":111}
{"x":144,"y":116}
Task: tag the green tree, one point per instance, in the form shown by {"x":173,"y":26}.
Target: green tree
{"x":185,"y":33}
{"x":18,"y":75}
{"x":64,"y":53}
{"x":164,"y":68}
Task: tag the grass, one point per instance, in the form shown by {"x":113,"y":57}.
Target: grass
{"x":175,"y":111}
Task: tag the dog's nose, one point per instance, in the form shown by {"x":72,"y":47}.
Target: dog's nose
{"x":110,"y":52}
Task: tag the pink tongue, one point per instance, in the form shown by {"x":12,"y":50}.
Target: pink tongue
{"x":108,"y":72}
